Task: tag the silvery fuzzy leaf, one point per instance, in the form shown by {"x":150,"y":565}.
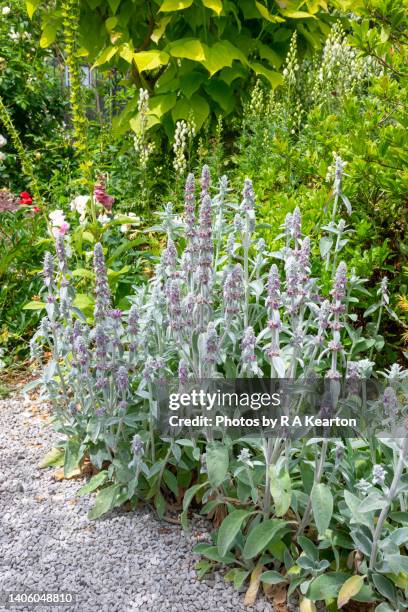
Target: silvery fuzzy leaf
{"x":384,"y":437}
{"x":50,"y":371}
{"x":258,"y":287}
{"x":50,"y":308}
{"x":278,"y":255}
{"x":398,"y":537}
{"x":153,"y":409}
{"x":347,"y":204}
{"x":31,"y":385}
{"x":373,"y":308}
{"x":280,"y":366}
{"x":176,"y":452}
{"x":325,"y":245}
{"x":232,"y":336}
{"x":374,"y":501}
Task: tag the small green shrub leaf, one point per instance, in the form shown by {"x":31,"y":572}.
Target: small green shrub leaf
{"x":73,"y":456}
{"x":281,"y":489}
{"x":326,"y":586}
{"x":272,"y":577}
{"x":262,"y":535}
{"x":230,"y":526}
{"x":105,"y":501}
{"x":322,"y":506}
{"x":217,"y":460}
{"x":94,"y":483}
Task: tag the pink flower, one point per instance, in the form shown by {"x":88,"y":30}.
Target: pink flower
{"x":63,"y":228}
{"x":100,"y":194}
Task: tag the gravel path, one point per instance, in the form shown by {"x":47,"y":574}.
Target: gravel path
{"x":127,"y":561}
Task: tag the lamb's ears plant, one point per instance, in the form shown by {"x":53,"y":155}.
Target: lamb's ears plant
{"x":206,"y":314}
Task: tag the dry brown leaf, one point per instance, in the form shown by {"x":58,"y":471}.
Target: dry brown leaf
{"x":278,"y":595}
{"x":59,"y":474}
{"x":219,"y":515}
{"x":254,"y":583}
{"x":355,"y":606}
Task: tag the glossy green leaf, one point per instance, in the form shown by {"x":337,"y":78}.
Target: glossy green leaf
{"x":274,"y":78}
{"x":48,"y":36}
{"x":106,"y":55}
{"x":149,"y":60}
{"x":189,"y":48}
{"x":32,"y":6}
{"x":196,"y":108}
{"x":214,"y":5}
{"x":175,"y":5}
{"x":267,"y":15}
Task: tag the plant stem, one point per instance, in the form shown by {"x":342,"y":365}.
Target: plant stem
{"x":317,"y":479}
{"x":391,"y":497}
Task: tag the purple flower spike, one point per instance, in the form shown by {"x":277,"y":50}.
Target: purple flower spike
{"x":296,"y":223}
{"x":137,"y":446}
{"x":324,"y":313}
{"x":170,"y":256}
{"x":248,"y":348}
{"x":48,"y":269}
{"x":61,"y":253}
{"x":102,"y":291}
{"x":183,"y":371}
{"x":211,"y":344}
{"x":273,"y":300}
{"x":116,"y":313}
{"x":288,"y":226}
{"x":340,"y":282}
{"x":81,"y":352}
{"x":174,"y":305}
{"x":205,"y":180}
{"x":122,"y":379}
{"x":304,"y":254}
{"x":292,"y":277}
{"x":248,"y":195}
{"x":205,"y":254}
{"x":233,"y":291}
{"x":390,"y":400}
{"x":133,"y":320}
{"x":189,"y":207}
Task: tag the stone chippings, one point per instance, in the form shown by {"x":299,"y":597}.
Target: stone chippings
{"x":124,"y":562}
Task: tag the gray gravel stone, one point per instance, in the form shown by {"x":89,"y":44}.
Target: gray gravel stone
{"x":120,"y":563}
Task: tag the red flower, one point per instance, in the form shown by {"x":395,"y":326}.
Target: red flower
{"x":25,"y":198}
{"x":36,"y":209}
